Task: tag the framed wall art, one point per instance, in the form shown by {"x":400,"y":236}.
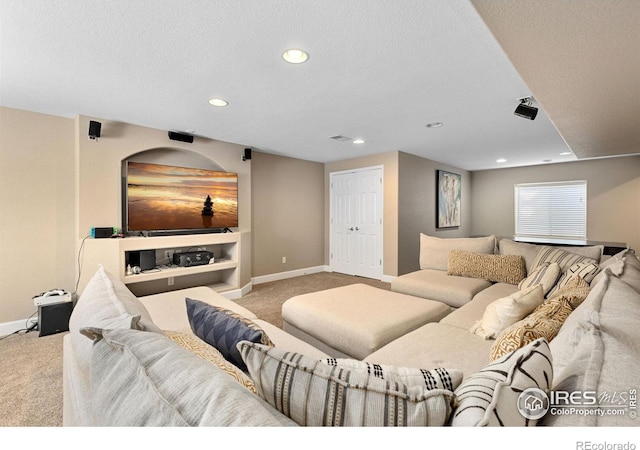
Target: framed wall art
{"x":448,"y":199}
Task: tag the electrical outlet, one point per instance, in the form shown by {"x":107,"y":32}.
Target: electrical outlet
{"x":168,"y":254}
{"x":170,"y":281}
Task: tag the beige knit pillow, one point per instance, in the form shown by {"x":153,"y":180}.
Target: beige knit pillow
{"x":506,"y":311}
{"x":497,"y":268}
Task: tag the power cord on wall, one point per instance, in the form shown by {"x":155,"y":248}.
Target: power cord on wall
{"x":75,"y":290}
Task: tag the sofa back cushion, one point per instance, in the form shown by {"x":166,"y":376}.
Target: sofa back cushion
{"x":105,"y":303}
{"x":598,"y":349}
{"x":434,"y":251}
{"x":145,"y":379}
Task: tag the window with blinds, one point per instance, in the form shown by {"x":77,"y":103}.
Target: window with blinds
{"x":551,"y":210}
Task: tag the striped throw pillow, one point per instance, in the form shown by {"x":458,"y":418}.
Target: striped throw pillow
{"x":490,"y":397}
{"x":313,"y":393}
{"x":564,"y":258}
{"x":546,"y":274}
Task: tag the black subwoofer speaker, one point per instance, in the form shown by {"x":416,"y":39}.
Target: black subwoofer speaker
{"x":54,"y":318}
{"x":145,"y":259}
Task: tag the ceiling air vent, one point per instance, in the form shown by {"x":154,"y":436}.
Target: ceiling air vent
{"x":340,"y":138}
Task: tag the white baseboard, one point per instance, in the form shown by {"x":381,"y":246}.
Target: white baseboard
{"x":387,"y":278}
{"x":289,"y":274}
{"x":11,"y":327}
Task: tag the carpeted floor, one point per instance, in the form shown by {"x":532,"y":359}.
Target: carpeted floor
{"x":31,"y":366}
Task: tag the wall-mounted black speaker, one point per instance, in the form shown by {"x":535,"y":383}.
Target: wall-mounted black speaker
{"x":174,"y":136}
{"x":247,"y":154}
{"x":94,"y":129}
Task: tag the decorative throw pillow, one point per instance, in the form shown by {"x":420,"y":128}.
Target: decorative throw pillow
{"x":429,"y":379}
{"x":203,"y":350}
{"x":506,"y":311}
{"x":490,"y":396}
{"x":312,"y":393}
{"x":223,"y":329}
{"x":497,"y":268}
{"x":564,"y":258}
{"x":546,"y":275}
{"x":574,"y":290}
{"x":585,"y":270}
{"x":544,"y":322}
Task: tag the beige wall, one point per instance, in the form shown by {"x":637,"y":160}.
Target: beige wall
{"x":417,"y":207}
{"x":99,"y":165}
{"x":36,"y":209}
{"x":389,"y":161}
{"x":287,"y":212}
{"x":613,"y":191}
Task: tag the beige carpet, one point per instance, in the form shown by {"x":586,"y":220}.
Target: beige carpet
{"x":31,"y":366}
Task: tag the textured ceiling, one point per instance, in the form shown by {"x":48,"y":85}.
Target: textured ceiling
{"x":379,"y":71}
{"x":581,"y":59}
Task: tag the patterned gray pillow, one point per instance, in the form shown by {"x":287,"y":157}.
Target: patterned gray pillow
{"x":490,"y":397}
{"x":223,"y":329}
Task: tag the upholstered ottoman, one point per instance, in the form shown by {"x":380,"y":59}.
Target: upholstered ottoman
{"x":354,"y":321}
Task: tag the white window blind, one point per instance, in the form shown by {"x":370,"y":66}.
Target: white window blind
{"x":551,"y":210}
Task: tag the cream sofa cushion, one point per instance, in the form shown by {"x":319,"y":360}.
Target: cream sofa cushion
{"x":434,"y":251}
{"x":436,"y":345}
{"x":437,"y":285}
{"x":169,"y":311}
{"x":468,"y":314}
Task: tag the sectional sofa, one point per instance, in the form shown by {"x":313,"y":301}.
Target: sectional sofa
{"x":520,"y":319}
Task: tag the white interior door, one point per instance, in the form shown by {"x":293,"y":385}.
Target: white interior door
{"x":356,"y":222}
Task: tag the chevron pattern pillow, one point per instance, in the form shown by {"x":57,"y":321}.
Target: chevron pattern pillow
{"x":223,"y":329}
{"x":490,"y":396}
{"x":585,"y":270}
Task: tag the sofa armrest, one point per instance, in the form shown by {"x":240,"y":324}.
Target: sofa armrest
{"x":169,"y":312}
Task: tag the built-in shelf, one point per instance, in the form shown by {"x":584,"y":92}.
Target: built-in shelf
{"x":222,"y":275}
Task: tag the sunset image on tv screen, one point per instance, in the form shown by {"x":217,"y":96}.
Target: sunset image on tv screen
{"x":163,"y":197}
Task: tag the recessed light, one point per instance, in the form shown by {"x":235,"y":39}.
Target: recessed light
{"x":434,"y":125}
{"x":295,"y":56}
{"x":218,"y":102}
{"x":358,"y":141}
{"x":501,"y":160}
{"x":565,"y":153}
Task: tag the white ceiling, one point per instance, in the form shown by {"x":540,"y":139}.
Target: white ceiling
{"x":378,"y":70}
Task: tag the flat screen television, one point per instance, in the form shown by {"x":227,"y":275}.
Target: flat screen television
{"x":163,"y":200}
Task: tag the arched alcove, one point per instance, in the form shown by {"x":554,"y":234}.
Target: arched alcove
{"x":174,"y":157}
